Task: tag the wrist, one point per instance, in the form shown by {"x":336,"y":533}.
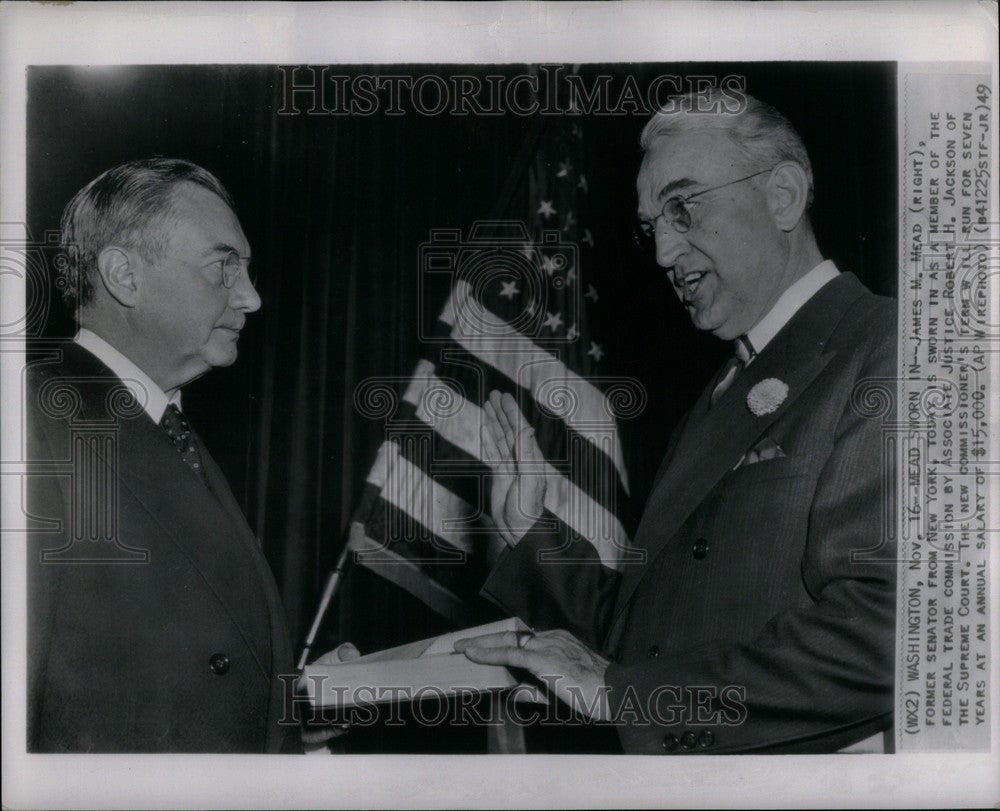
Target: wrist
{"x":530,"y":525}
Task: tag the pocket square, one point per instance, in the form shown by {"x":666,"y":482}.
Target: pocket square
{"x":763,"y":451}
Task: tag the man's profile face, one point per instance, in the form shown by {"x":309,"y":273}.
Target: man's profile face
{"x":193,"y":319}
{"x":727,"y":269}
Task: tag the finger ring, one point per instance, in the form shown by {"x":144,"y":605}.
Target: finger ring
{"x":523,"y":637}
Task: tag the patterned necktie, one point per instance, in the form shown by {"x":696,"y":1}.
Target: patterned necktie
{"x":744,"y":353}
{"x":179,"y":430}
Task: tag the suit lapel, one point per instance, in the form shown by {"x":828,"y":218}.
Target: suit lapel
{"x":204,"y":523}
{"x":281,"y":652}
{"x":219,"y":487}
{"x":194,"y":520}
{"x":715,"y":439}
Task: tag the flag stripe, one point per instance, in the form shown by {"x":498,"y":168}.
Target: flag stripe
{"x":556,"y":440}
{"x":430,"y":511}
{"x":461,"y":580}
{"x":412,"y":578}
{"x":550,"y":381}
{"x":402,"y":537}
{"x":431,"y":505}
{"x":566,"y":501}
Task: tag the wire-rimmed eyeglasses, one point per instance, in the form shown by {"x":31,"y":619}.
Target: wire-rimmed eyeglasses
{"x":676,"y":213}
{"x":231,"y":266}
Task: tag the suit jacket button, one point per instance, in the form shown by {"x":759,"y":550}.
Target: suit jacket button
{"x":653,"y":652}
{"x":669,"y":743}
{"x":219,"y":663}
{"x":688,"y":740}
{"x":700,"y":549}
{"x":706,"y":739}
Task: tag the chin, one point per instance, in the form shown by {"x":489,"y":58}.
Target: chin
{"x":726,"y":333}
{"x":218,"y":356}
{"x":703,"y":323}
{"x":708,"y":321}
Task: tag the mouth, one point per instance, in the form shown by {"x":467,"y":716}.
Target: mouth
{"x":688,"y":285}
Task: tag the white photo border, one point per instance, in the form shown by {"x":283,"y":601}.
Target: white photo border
{"x":344,"y":33}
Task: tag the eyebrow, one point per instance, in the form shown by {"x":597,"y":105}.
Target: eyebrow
{"x":672,"y":187}
{"x":675,"y":186}
{"x":224,"y":247}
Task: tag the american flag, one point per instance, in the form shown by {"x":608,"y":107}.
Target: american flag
{"x":516,"y":320}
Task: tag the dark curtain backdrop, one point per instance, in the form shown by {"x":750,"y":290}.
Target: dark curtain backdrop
{"x":336,"y":208}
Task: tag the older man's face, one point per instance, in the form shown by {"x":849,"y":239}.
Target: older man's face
{"x":728,"y":268}
{"x":189,"y":320}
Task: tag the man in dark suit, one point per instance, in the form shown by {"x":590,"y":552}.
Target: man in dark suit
{"x":154,"y":621}
{"x":763,"y":617}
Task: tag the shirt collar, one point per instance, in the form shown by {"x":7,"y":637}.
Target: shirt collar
{"x":788,"y":303}
{"x":154,"y":400}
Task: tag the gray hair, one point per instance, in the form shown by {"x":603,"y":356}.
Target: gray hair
{"x":126,"y":206}
{"x":762,"y":135}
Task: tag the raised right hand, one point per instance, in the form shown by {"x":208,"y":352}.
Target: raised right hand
{"x":517,"y":493}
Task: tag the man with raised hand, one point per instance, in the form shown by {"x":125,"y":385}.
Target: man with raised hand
{"x":763,"y":617}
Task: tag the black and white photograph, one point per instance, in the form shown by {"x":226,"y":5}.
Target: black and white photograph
{"x":605,"y":426}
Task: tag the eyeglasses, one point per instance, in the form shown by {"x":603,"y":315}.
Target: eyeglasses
{"x":231,"y":266}
{"x":675,"y":211}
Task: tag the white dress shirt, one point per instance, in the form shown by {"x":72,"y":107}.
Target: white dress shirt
{"x":153,"y":399}
{"x":789,"y":303}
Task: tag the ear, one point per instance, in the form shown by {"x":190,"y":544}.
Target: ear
{"x":120,"y":275}
{"x":788,"y":194}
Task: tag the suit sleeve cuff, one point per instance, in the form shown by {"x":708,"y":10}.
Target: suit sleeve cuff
{"x":506,"y":585}
{"x":657,"y":712}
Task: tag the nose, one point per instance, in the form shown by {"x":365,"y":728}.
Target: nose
{"x":243,"y":295}
{"x":670,"y":245}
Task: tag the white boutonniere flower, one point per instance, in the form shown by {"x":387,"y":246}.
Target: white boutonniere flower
{"x":766,"y":396}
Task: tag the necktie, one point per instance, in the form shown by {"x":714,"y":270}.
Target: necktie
{"x":179,"y":430}
{"x":743,"y":354}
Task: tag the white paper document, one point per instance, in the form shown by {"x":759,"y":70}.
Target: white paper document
{"x":428,"y":668}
